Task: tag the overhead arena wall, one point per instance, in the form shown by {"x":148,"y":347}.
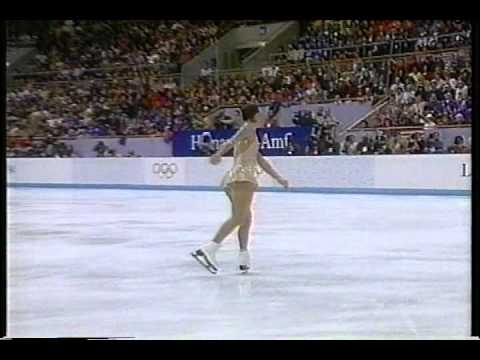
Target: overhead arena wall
{"x":384,"y":174}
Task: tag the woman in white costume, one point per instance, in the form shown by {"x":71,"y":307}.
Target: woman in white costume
{"x":240,"y":184}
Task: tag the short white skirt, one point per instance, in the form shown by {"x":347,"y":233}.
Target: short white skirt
{"x":240,"y":172}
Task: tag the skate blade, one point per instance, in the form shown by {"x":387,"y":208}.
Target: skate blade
{"x":206,"y":265}
{"x":248,"y":273}
{"x":244,"y":271}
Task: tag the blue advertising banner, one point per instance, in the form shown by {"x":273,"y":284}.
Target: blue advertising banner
{"x":273,"y":141}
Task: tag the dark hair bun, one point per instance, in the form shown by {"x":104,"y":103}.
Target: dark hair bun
{"x":249,"y":111}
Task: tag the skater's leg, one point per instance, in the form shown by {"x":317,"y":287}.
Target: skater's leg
{"x":230,"y":224}
{"x":244,"y":228}
{"x":246,"y":214}
{"x":225,"y":229}
{"x":244,"y":233}
{"x":243,"y":237}
{"x":241,"y":195}
{"x":228,"y":192}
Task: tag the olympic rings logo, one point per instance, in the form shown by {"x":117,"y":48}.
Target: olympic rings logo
{"x":165,"y":170}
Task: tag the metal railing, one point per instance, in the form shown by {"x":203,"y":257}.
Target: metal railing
{"x":107,"y":70}
{"x":384,"y":104}
{"x":329,"y":52}
{"x":410,"y":127}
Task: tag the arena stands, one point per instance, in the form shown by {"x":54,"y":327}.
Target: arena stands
{"x":143,"y":105}
{"x":92,"y":49}
{"x":340,"y":39}
{"x":112,"y":87}
{"x":427,"y":90}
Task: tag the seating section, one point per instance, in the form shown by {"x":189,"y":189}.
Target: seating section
{"x":114,"y":78}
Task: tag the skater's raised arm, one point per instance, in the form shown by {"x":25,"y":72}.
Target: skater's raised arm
{"x":270,"y":170}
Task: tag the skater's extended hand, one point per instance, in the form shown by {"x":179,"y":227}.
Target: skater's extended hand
{"x":215,"y":159}
{"x":283,"y":182}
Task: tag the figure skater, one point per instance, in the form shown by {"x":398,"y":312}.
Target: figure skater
{"x":240,"y":184}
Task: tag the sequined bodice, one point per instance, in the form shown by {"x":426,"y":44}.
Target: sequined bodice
{"x":245,"y":151}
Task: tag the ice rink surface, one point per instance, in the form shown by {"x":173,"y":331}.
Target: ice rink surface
{"x":116,"y":263}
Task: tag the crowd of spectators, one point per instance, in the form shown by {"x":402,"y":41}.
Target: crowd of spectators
{"x":382,"y":143}
{"x":294,"y":85}
{"x":341,"y":39}
{"x":86,"y":49}
{"x":80,"y":49}
{"x":427,"y":91}
{"x":139,"y":100}
{"x":54,"y":147}
{"x":393,"y":142}
{"x":39,"y":147}
{"x":145,"y":105}
{"x":430,"y":89}
{"x":99,"y":108}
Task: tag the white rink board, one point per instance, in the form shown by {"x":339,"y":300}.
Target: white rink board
{"x":327,"y":171}
{"x":107,"y":171}
{"x":48,"y":170}
{"x":416,"y":172}
{"x":421,"y":173}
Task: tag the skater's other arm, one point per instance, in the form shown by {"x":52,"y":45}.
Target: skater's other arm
{"x":270,"y":170}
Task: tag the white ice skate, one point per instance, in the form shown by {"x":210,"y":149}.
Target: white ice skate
{"x":206,"y":257}
{"x":244,"y":261}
